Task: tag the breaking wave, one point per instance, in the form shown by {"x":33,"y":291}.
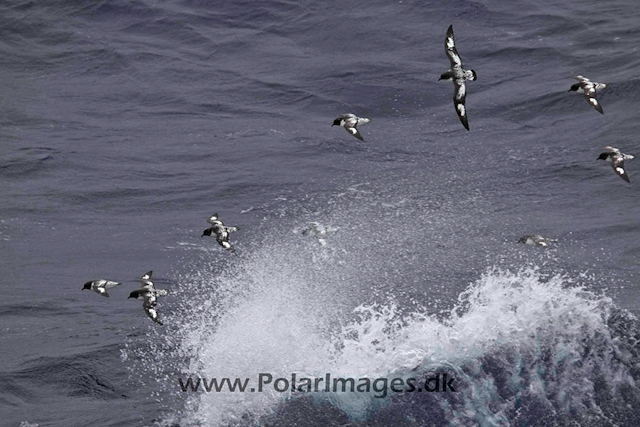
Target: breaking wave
{"x":524,"y":347}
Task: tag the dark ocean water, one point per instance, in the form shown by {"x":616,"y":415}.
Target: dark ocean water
{"x":125,"y":124}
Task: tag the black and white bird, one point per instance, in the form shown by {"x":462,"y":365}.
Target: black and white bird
{"x":590,"y":90}
{"x":149,"y":297}
{"x":616,"y":158}
{"x":536,"y":240}
{"x":351,"y":122}
{"x":221,"y":232}
{"x":459,"y":75}
{"x":100,"y":286}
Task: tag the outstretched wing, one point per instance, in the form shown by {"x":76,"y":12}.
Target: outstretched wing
{"x":153,"y":314}
{"x":612,"y":149}
{"x":590,"y":94}
{"x":618,"y":167}
{"x":450,"y":49}
{"x":458,"y":101}
{"x":213,"y":219}
{"x":355,"y":132}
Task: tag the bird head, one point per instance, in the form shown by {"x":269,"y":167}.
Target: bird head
{"x":446,"y":75}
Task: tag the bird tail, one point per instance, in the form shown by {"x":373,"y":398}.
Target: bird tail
{"x":470,"y":75}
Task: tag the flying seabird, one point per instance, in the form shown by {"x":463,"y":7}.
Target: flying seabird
{"x":589,"y":89}
{"x":149,"y":297}
{"x":350,"y":123}
{"x":221,"y":232}
{"x":459,"y":75}
{"x":100,"y":286}
{"x":616,"y":158}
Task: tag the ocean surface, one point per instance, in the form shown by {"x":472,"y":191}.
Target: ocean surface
{"x":125,"y":124}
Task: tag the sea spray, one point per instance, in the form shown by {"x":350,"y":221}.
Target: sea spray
{"x":523,"y":346}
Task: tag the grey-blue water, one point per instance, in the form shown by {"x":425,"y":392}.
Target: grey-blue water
{"x":125,"y":124}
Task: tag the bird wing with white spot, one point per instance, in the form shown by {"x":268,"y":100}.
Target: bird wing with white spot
{"x":590,"y":94}
{"x":213,"y":219}
{"x":460,"y":93}
{"x":458,"y":102}
{"x":355,"y":132}
{"x":450,"y":49}
{"x":618,"y":167}
{"x":153,"y":314}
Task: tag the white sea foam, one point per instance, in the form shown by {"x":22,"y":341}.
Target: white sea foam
{"x":536,"y":324}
